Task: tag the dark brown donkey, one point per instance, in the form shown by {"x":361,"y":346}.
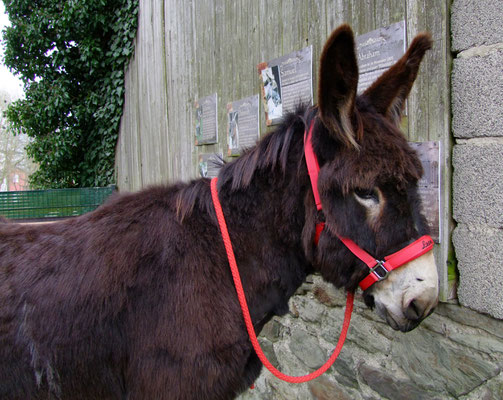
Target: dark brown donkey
{"x":135,"y":300}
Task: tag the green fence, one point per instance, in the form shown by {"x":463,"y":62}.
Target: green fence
{"x":53,"y":203}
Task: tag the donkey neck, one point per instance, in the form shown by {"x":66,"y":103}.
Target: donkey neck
{"x":266,"y":199}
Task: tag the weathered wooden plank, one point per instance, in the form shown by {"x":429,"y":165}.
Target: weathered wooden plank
{"x":161,"y":83}
{"x":134,"y":170}
{"x":253,"y":17}
{"x":252,"y":48}
{"x":153,"y":105}
{"x":362,"y":16}
{"x":181,"y":63}
{"x":150,"y":103}
{"x":317,"y":30}
{"x":169,"y":13}
{"x":143,"y":112}
{"x":338,"y":12}
{"x":417,"y":101}
{"x":188,"y":123}
{"x":224,"y":79}
{"x":438,"y":67}
{"x":388,"y":12}
{"x":294,"y":28}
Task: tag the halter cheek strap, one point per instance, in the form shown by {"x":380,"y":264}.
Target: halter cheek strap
{"x":379,"y":269}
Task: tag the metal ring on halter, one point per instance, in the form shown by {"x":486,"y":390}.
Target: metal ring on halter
{"x":379,"y":270}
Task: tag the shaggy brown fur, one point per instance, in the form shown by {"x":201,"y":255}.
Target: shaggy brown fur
{"x":136,"y":300}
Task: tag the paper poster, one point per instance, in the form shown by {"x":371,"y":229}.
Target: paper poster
{"x":209,"y":164}
{"x":242,"y":124}
{"x":377,"y":51}
{"x":285,"y":83}
{"x":206,"y":120}
{"x":429,"y":185}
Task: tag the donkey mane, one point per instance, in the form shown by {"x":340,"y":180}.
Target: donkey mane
{"x":271,"y":152}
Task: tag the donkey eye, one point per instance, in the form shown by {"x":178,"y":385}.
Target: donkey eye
{"x":367,"y":194}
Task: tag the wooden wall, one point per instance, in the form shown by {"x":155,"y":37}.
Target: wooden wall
{"x":192,"y":48}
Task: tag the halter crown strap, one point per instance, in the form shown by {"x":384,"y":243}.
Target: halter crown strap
{"x":313,"y":167}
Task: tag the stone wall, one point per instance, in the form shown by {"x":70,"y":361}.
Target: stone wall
{"x":456,"y":353}
{"x":477,"y":107}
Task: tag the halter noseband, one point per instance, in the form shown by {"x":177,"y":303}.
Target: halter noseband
{"x":379,"y":269}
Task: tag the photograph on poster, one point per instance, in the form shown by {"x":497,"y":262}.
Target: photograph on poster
{"x":272,"y":92}
{"x":286,"y":82}
{"x":233,"y":132}
{"x":199,"y":124}
{"x":206,"y":120}
{"x":209,"y":164}
{"x":243,"y":124}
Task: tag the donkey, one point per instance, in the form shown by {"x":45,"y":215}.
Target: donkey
{"x":135,"y":300}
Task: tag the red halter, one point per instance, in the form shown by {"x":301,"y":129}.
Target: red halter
{"x":379,"y":269}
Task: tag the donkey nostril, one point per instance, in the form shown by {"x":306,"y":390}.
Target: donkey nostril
{"x":413,"y":311}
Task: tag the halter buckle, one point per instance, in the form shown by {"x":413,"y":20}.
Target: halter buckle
{"x":379,"y":270}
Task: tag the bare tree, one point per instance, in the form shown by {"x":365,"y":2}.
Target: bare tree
{"x":13,"y":158}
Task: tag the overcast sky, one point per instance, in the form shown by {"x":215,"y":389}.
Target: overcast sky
{"x":8,"y":81}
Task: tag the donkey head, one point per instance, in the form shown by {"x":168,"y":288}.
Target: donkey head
{"x":368,"y":180}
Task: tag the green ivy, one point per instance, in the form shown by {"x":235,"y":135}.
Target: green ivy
{"x":71,"y":56}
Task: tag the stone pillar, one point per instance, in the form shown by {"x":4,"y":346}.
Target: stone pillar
{"x":477,"y":107}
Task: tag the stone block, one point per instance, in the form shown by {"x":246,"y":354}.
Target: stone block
{"x":478,"y":182}
{"x":309,"y":310}
{"x":306,"y":348}
{"x":477,"y":90}
{"x":328,"y":295}
{"x":269,"y":352}
{"x":478,"y":342}
{"x":476,"y":22}
{"x":271,"y":330}
{"x":479,"y":253}
{"x":492,"y":390}
{"x":346,"y":368}
{"x":325,"y":389}
{"x":390,"y":387}
{"x":468,"y":317}
{"x":364,"y":335}
{"x":436,"y":365}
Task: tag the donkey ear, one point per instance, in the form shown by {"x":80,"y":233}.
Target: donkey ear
{"x":338,"y":80}
{"x":389,"y":92}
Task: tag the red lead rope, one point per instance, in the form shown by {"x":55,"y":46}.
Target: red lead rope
{"x":246,"y":313}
